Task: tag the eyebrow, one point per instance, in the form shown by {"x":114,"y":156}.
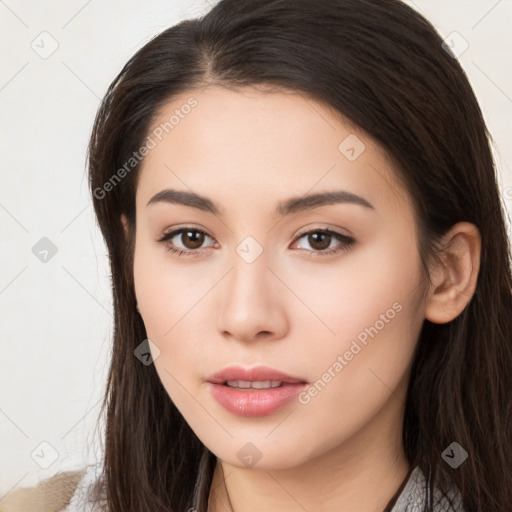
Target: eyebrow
{"x":292,"y":205}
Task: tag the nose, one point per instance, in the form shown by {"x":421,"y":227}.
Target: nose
{"x":252,"y":302}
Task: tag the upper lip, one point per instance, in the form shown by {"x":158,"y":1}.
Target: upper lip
{"x":257,"y":373}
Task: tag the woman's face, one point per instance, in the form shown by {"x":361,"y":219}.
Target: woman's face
{"x":257,"y":290}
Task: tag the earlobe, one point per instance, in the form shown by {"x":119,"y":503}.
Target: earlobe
{"x":454,"y":278}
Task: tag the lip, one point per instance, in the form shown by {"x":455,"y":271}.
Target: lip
{"x":254,"y":402}
{"x":258,"y":373}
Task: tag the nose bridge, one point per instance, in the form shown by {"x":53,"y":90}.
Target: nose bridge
{"x":250,"y":260}
{"x":251,"y":301}
{"x":249,"y":279}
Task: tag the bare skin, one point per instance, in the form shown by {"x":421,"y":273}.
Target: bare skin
{"x":291,"y":308}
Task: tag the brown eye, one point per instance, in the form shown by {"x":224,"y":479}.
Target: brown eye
{"x":319,"y":240}
{"x":192,"y":239}
{"x":185,"y":241}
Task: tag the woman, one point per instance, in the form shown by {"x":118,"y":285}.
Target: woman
{"x":310,"y":268}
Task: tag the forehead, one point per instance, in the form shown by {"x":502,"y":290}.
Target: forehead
{"x":247,"y":140}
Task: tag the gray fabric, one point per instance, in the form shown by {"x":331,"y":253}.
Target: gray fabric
{"x":415,"y":493}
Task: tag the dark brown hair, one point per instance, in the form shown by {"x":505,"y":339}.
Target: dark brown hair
{"x":382,"y":66}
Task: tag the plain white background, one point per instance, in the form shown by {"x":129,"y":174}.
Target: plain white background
{"x":56,"y":316}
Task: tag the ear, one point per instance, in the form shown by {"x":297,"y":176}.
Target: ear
{"x":126,"y":226}
{"x":454,"y":277}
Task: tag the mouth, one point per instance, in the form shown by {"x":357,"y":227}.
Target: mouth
{"x":247,"y":384}
{"x":259,"y":391}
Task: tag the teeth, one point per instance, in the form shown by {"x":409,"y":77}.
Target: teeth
{"x":245,"y":384}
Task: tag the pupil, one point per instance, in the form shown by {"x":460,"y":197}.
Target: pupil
{"x":314,"y":242}
{"x":197,"y":240}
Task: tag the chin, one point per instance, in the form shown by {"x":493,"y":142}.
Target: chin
{"x":264,"y":455}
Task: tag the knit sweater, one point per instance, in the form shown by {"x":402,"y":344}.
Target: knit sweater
{"x":71,"y":492}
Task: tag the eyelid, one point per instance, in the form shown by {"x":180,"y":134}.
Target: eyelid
{"x":175,"y":229}
{"x":325,"y":227}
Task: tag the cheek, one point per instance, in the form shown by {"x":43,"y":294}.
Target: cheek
{"x":150,"y":291}
{"x":349,"y":295}
{"x":373,"y":307}
{"x":161,"y":289}
{"x":356,"y":379}
{"x":171,"y":302}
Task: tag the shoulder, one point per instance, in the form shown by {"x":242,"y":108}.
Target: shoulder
{"x":89,"y":493}
{"x":51,"y":494}
{"x":63,"y":492}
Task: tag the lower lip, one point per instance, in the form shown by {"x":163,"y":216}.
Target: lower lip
{"x":254,"y":402}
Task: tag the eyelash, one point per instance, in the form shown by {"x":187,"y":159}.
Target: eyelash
{"x":347,"y":242}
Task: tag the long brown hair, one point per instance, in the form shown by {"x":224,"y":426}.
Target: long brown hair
{"x":382,"y":66}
